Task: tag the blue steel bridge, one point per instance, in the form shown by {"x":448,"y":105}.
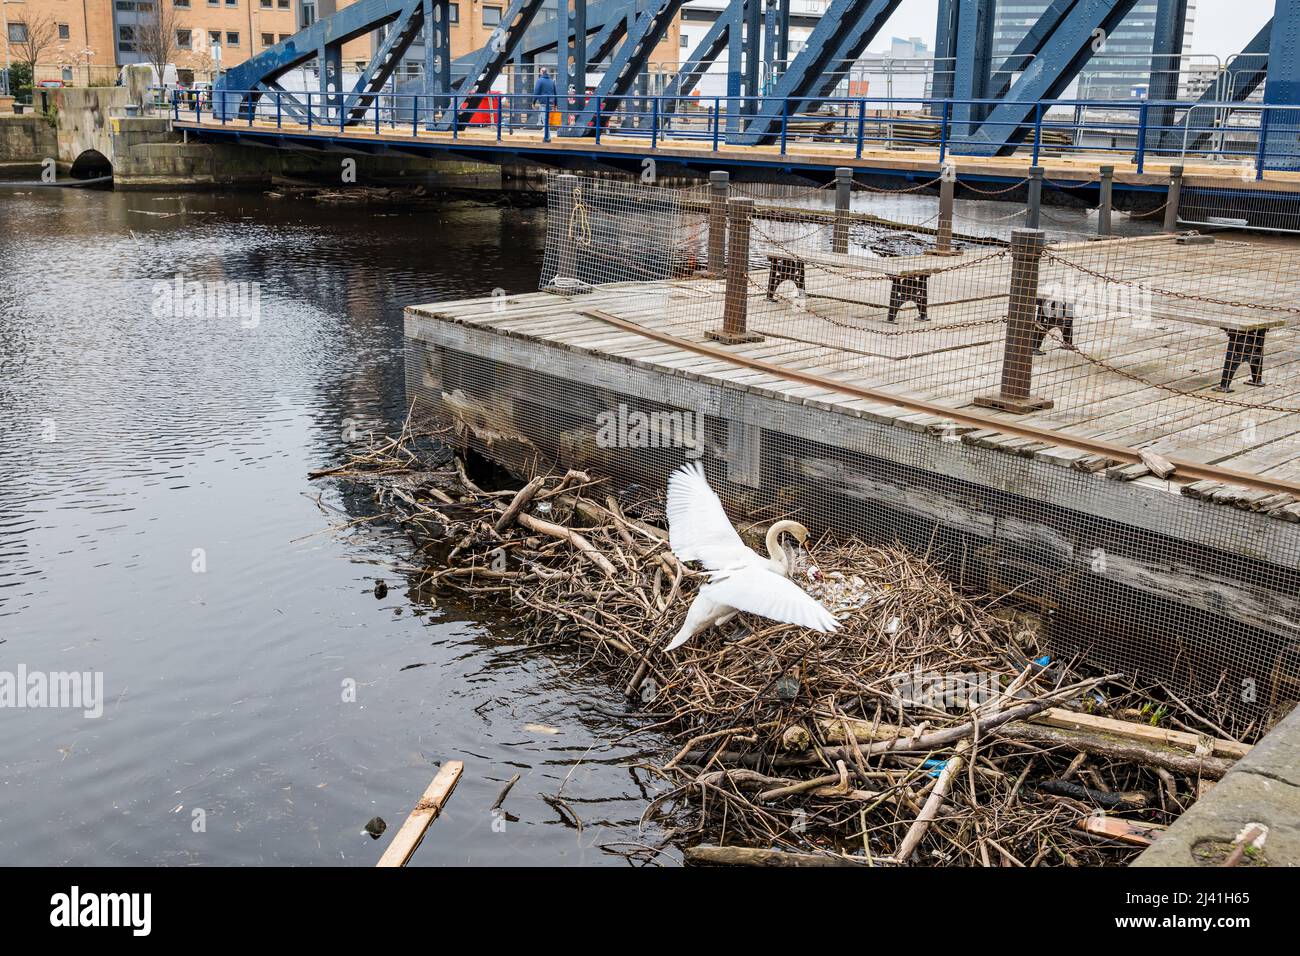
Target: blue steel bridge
{"x":778,"y":116}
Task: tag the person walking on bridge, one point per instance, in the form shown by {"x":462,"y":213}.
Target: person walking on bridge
{"x":543,"y":93}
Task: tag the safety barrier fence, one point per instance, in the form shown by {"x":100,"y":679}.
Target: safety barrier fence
{"x":1252,"y":138}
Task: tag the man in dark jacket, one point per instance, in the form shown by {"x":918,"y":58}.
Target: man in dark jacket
{"x":543,"y":95}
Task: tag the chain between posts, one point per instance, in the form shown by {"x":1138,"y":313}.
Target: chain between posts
{"x":1182,"y":393}
{"x":993,"y":192}
{"x":1185,"y":296}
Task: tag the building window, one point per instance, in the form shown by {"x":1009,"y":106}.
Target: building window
{"x":232,"y":38}
{"x":181,"y":3}
{"x":17,"y":33}
{"x":283,"y":37}
{"x":67,"y":74}
{"x":232,"y":3}
{"x":214,"y":3}
{"x":214,"y":36}
{"x":491,"y":16}
{"x":127,"y":5}
{"x":266,"y":4}
{"x":282,"y":4}
{"x":686,"y":41}
{"x":183,"y":39}
{"x":308,"y":16}
{"x":268,"y":39}
{"x":126,"y":39}
{"x":64,"y":32}
{"x":453,"y":13}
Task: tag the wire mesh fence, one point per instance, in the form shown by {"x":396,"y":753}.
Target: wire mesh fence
{"x":1004,"y":400}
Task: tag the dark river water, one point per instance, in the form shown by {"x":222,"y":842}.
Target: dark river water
{"x":157,"y":527}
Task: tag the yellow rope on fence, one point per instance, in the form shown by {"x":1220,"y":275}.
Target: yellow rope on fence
{"x":579,"y":219}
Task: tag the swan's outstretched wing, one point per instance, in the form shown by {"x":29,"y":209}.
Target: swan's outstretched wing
{"x":698,"y":528}
{"x":764,"y":592}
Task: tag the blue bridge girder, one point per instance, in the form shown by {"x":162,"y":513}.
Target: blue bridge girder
{"x":1234,"y":84}
{"x":323,"y":41}
{"x":840,"y":37}
{"x":1080,"y":33}
{"x":994,"y":108}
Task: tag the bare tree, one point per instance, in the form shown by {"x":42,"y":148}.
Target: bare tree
{"x":155,"y":35}
{"x":38,"y":35}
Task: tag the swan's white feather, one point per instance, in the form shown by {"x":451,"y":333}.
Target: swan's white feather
{"x":698,"y":527}
{"x":760,"y":591}
{"x":740,"y":580}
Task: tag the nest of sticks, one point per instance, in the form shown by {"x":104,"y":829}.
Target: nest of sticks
{"x":931,"y":729}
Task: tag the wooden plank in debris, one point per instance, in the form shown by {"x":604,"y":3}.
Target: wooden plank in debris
{"x":1134,"y":832}
{"x":1160,"y":467}
{"x":1161,"y":736}
{"x":426,"y":811}
{"x":749,"y":856}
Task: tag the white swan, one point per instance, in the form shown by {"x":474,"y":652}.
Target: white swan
{"x":739,"y":580}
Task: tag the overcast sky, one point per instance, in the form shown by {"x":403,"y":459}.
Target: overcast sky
{"x":1223,"y":27}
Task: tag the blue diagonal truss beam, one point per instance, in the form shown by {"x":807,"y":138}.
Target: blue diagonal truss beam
{"x":1234,"y":84}
{"x":1029,"y":47}
{"x":331,"y":33}
{"x":1063,"y":55}
{"x":704,"y":55}
{"x":486,"y":64}
{"x":840,"y":36}
{"x":627,"y":64}
{"x":399,"y":36}
{"x":602,"y":20}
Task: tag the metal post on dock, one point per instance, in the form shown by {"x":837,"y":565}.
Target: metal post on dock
{"x":1034,"y":214}
{"x":943,"y":232}
{"x":1175,"y":197}
{"x":843,"y":195}
{"x":1104,"y":203}
{"x":1014,"y":395}
{"x":564,"y":187}
{"x":719,"y":184}
{"x":735,"y":306}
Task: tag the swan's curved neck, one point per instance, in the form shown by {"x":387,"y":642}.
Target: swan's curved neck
{"x":774,"y":549}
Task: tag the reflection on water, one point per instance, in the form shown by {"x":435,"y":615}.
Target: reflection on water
{"x":156,"y":525}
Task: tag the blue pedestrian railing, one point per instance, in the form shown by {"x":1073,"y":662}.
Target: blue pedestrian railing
{"x":1255,"y":136}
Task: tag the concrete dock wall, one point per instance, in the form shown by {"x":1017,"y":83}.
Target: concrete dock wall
{"x":27,"y":139}
{"x":1263,"y":787}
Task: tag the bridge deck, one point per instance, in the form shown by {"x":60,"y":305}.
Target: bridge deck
{"x":799,"y":154}
{"x":948,"y":361}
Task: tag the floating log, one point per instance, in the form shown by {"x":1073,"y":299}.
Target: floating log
{"x":747,"y":856}
{"x":426,"y":811}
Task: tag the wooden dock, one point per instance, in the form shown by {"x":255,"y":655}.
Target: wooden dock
{"x":1154,"y":392}
{"x":871,"y":427}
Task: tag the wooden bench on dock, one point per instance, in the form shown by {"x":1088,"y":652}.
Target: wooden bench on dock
{"x":1245,"y":335}
{"x":909,"y":276}
{"x":1245,"y":327}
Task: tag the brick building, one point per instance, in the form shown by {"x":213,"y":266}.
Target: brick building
{"x":93,"y":39}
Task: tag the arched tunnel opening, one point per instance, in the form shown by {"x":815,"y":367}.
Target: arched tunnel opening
{"x":92,"y":164}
